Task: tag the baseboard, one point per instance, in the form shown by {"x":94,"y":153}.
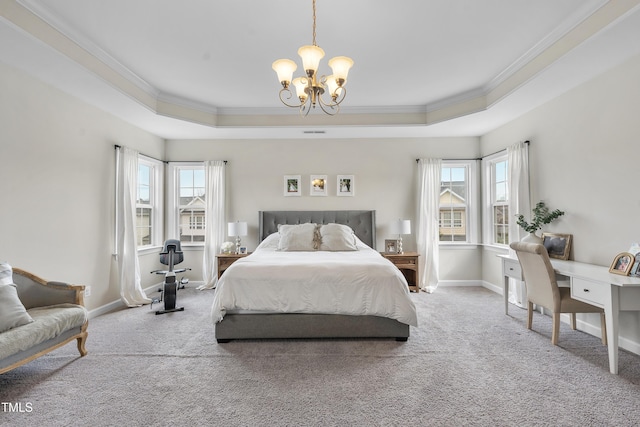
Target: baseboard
{"x":459,"y":283}
{"x":118,"y":304}
{"x":492,"y":287}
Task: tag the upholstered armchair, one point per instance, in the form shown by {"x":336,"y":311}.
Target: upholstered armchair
{"x":543,"y":290}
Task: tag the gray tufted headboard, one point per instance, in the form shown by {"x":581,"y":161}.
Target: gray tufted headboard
{"x":363,"y":223}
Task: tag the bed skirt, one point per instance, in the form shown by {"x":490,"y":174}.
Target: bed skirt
{"x":299,"y":325}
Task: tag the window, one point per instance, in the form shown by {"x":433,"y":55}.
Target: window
{"x":187,"y":218}
{"x":498,"y":199}
{"x":458,"y":211}
{"x":148,"y":203}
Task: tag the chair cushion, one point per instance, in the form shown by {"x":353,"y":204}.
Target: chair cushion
{"x":48,"y":322}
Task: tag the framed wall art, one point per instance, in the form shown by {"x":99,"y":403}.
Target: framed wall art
{"x":318,"y":185}
{"x":345,"y":185}
{"x":558,"y":245}
{"x":292,"y":185}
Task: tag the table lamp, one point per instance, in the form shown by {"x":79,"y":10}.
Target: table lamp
{"x":400,"y":227}
{"x":237,"y":229}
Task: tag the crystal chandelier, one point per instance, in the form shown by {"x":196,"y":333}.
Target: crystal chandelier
{"x":310,"y":89}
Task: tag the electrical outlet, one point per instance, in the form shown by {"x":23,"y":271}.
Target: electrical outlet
{"x":87,"y":291}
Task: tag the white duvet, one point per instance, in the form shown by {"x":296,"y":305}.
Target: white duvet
{"x":358,"y":282}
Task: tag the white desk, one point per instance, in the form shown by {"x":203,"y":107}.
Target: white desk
{"x":594,"y":285}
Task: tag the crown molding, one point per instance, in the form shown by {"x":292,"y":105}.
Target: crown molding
{"x":33,"y":19}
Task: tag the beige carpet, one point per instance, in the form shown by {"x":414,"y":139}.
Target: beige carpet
{"x":466,"y":365}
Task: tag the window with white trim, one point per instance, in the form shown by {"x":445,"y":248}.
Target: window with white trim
{"x":458,"y":205}
{"x":499,"y":199}
{"x":188,"y":203}
{"x":149,"y":203}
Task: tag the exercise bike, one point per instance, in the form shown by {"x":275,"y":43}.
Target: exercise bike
{"x":171,"y":255}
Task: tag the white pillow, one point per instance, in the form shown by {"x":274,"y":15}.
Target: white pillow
{"x":6,"y":273}
{"x":270,"y":242}
{"x":298,"y":237}
{"x":12,"y":312}
{"x":337,"y":237}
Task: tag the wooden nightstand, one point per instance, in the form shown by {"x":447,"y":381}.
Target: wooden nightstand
{"x":225,"y":260}
{"x":407,"y":263}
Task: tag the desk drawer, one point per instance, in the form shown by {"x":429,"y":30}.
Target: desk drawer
{"x":589,"y":292}
{"x":512,"y":269}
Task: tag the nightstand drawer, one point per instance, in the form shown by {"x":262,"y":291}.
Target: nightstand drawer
{"x":406,"y":262}
{"x":589,"y":292}
{"x":225,"y":262}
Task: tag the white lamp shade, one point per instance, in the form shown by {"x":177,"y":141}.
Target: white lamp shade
{"x":340,"y":66}
{"x":284,"y":68}
{"x":332,"y":84}
{"x":237,"y":228}
{"x":401,"y":226}
{"x":311,"y":56}
{"x":300,"y":84}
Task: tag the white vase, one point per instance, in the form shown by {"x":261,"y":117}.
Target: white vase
{"x":532,"y":238}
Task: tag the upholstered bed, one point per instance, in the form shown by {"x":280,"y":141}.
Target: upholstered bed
{"x":315,"y":274}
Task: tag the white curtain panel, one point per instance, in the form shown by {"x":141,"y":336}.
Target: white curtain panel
{"x":519,"y":203}
{"x":214,"y":220}
{"x":131,"y":291}
{"x":427,"y":230}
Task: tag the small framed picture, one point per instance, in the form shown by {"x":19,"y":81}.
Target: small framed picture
{"x":635,"y":268}
{"x":242,"y":250}
{"x":622,"y":264}
{"x":391,"y":246}
{"x":292,"y":185}
{"x":345,"y":185}
{"x":318,"y":185}
{"x":558,"y":245}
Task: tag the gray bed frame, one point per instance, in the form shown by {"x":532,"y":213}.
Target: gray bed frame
{"x":299,"y":325}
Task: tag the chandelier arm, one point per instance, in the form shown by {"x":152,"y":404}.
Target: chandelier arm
{"x":290,"y":95}
{"x":331,"y":109}
{"x":341,"y":96}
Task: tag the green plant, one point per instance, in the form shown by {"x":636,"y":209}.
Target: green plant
{"x":541,"y":216}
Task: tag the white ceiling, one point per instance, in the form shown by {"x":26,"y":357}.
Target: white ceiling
{"x":202,"y":68}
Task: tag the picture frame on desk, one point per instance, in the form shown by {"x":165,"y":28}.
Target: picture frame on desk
{"x":635,"y":269}
{"x":622,"y":264}
{"x":558,"y":245}
{"x":391,"y":246}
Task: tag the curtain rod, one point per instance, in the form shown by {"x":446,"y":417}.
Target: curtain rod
{"x":116,"y":146}
{"x":479,"y":158}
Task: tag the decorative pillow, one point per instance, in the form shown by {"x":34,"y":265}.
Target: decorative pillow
{"x":6,"y":274}
{"x":12,"y":312}
{"x":337,"y":237}
{"x":298,"y":237}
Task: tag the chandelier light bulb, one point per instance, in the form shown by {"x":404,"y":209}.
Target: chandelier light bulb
{"x":341,"y":66}
{"x":311,"y":56}
{"x":284,"y":68}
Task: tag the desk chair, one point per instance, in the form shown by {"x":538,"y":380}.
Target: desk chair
{"x":170,"y":255}
{"x":542,"y":289}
